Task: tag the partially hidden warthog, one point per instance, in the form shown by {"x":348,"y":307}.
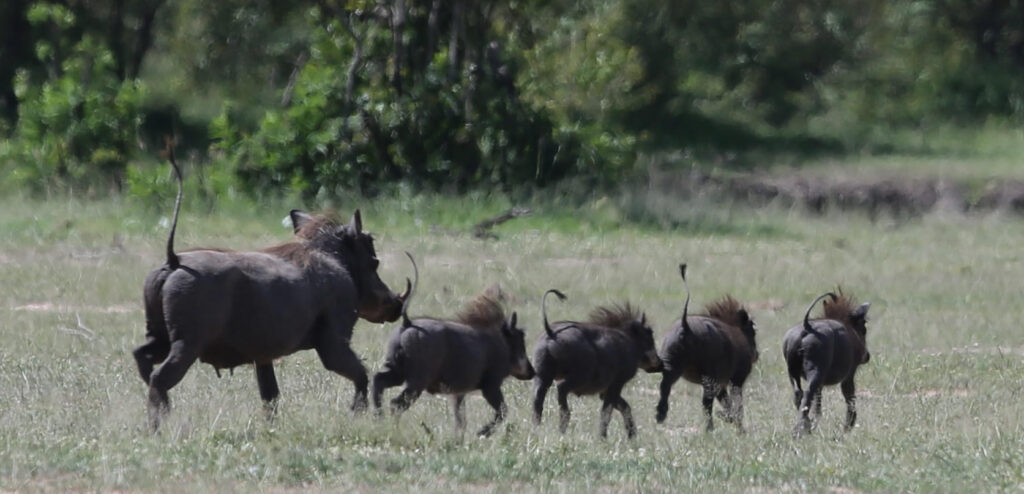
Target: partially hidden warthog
{"x":716,"y":350}
{"x":825,"y":352}
{"x":475,"y":351}
{"x":229,"y":308}
{"x":598,"y":356}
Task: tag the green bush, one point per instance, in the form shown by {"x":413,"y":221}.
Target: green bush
{"x":76,"y":129}
{"x":437,"y":128}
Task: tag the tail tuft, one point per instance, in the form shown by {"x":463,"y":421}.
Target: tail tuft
{"x":544,"y":310}
{"x":172,"y":259}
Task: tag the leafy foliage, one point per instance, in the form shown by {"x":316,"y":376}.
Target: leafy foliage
{"x":325,"y":96}
{"x":78,"y":126}
{"x":367,"y":109}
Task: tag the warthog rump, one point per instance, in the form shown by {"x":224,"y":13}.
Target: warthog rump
{"x":716,"y":350}
{"x":475,"y":351}
{"x":229,"y":308}
{"x":598,"y":356}
{"x":825,"y":352}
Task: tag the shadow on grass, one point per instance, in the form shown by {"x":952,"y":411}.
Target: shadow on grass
{"x":742,"y":146}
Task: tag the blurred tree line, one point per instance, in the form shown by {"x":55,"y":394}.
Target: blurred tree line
{"x":320,"y":96}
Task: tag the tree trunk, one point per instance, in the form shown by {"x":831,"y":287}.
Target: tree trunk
{"x":432,"y":34}
{"x":458,"y":15}
{"x":357,"y":58}
{"x":380,"y":144}
{"x":16,"y":52}
{"x":115,"y":35}
{"x":143,"y":39}
{"x":397,"y":26}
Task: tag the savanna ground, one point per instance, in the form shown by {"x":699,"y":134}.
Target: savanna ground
{"x":938,"y":403}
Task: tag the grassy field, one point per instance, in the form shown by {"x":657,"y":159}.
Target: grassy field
{"x":939,"y":401}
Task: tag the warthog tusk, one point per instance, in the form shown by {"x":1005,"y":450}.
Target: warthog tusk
{"x":408,"y":287}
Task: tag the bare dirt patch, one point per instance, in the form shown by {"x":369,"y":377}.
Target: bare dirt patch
{"x":74,"y":309}
{"x":578,"y":261}
{"x":899,"y":197}
{"x":1000,"y":350}
{"x":772,"y":304}
{"x":923,"y":393}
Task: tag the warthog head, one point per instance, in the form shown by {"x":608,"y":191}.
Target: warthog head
{"x":856,"y":319}
{"x":515,"y":339}
{"x":750,"y":331}
{"x":353,"y":248}
{"x":643,"y":335}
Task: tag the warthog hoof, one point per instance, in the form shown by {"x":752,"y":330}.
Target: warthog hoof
{"x":270,"y":410}
{"x":359,"y":404}
{"x":803,"y":426}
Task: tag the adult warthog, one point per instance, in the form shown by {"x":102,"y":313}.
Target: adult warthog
{"x":229,"y":308}
{"x":476,"y":350}
{"x":598,"y":356}
{"x":716,"y":350}
{"x":827,"y":351}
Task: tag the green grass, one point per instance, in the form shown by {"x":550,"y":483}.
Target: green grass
{"x":939,"y":402}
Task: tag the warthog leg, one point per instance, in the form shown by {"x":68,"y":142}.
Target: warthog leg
{"x":497,"y":401}
{"x":812,"y":397}
{"x":710,"y":388}
{"x":179,"y":359}
{"x":404,"y":400}
{"x":849,"y":390}
{"x":150,"y":353}
{"x":563,"y":404}
{"x":269,"y":391}
{"x":627,"y":417}
{"x":337,"y":356}
{"x":736,"y":396}
{"x":381,"y":381}
{"x":459,"y":411}
{"x":724,"y":399}
{"x":606,"y":414}
{"x":667,"y":380}
{"x":540,"y":387}
{"x":798,"y":394}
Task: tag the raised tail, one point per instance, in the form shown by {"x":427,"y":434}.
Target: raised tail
{"x":410,"y":288}
{"x":686,"y":305}
{"x":172,"y":258}
{"x":807,"y":315}
{"x":544,"y":310}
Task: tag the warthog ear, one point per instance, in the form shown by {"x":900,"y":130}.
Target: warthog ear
{"x":299,"y":219}
{"x":643,"y":319}
{"x":513,"y":320}
{"x":357,"y":222}
{"x":744,"y":317}
{"x":861,"y":311}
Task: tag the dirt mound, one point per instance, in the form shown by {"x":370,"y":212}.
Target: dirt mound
{"x":899,"y":197}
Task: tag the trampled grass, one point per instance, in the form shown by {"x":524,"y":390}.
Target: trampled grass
{"x":938,"y":404}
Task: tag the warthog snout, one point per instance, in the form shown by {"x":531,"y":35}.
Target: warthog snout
{"x":523,"y":370}
{"x":387,"y":306}
{"x":652,"y":362}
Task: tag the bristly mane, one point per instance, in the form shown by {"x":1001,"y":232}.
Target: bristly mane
{"x":725,"y":309}
{"x":484,"y":312}
{"x":617,"y":316}
{"x":297,"y":251}
{"x":326,"y":221}
{"x":841,"y":309}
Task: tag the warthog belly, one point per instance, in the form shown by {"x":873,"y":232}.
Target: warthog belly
{"x":223,"y":357}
